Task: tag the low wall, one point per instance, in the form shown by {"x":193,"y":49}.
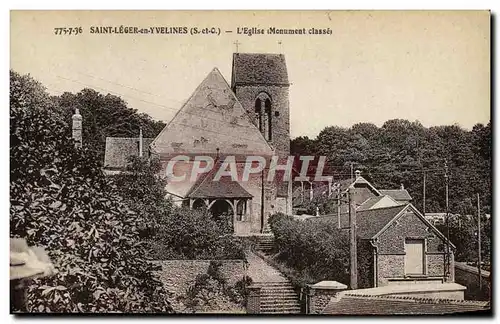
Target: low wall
{"x":468,"y":276}
{"x":320,"y":294}
{"x":448,"y":290}
{"x":179,"y":275}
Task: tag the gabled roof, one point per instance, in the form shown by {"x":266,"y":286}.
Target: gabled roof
{"x":375,"y":202}
{"x":369,"y":203}
{"x":206,"y":187}
{"x":370,"y":222}
{"x":397,"y":194}
{"x":119,"y":149}
{"x":252,"y":68}
{"x":351,"y":183}
{"x":212,"y":118}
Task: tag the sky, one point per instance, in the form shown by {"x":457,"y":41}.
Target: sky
{"x":430,"y":66}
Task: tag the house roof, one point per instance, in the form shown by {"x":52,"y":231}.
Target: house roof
{"x":351,"y":183}
{"x":212,"y":120}
{"x":252,"y":68}
{"x":207,"y":187}
{"x":322,"y":189}
{"x":397,"y":194}
{"x":370,"y":222}
{"x":392,"y":305}
{"x":374,"y":203}
{"x":119,"y":149}
{"x":370,"y":202}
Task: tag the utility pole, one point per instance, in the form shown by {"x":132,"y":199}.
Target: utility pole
{"x":479,"y":244}
{"x":353,"y":249}
{"x":447,"y":272}
{"x":338,"y":206}
{"x":302,"y":190}
{"x":423,"y":203}
{"x":352,"y":171}
{"x":140,"y":142}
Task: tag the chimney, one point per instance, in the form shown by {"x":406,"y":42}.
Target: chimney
{"x":402,"y":187}
{"x":140,"y":142}
{"x":358,"y":174}
{"x":77,"y":128}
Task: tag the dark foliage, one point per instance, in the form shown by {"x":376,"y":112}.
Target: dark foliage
{"x":315,"y":251}
{"x":212,"y":292}
{"x":397,"y":152}
{"x":194,"y":234}
{"x":62,"y":201}
{"x":103,"y":116}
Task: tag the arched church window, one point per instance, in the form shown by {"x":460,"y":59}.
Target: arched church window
{"x":264,"y":112}
{"x":269,"y":119}
{"x":258,"y":112}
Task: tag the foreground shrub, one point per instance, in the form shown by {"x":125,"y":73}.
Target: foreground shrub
{"x":315,"y":251}
{"x":211,"y":292}
{"x":61,"y":200}
{"x":194,"y":234}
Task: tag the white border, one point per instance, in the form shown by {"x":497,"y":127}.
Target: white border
{"x":189,"y":4}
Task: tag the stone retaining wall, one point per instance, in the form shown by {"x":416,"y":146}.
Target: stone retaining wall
{"x":178,"y":275}
{"x":468,"y":276}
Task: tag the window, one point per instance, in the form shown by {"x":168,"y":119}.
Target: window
{"x":264,"y":115}
{"x":258,"y":113}
{"x":269,"y":119}
{"x":414,"y":257}
{"x":241,"y":210}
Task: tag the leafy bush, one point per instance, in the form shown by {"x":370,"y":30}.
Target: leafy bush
{"x":240,"y":290}
{"x":315,"y":251}
{"x":144,"y":189}
{"x":61,"y":200}
{"x":211,"y":292}
{"x":194,"y":234}
{"x":174,"y":233}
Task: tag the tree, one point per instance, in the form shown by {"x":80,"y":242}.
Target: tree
{"x":144,"y":189}
{"x":105,"y":116}
{"x":61,"y":200}
{"x":399,"y":152}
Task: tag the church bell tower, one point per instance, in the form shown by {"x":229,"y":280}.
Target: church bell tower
{"x":260,"y":82}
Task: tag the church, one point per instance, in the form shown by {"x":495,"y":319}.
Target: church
{"x":250,"y":117}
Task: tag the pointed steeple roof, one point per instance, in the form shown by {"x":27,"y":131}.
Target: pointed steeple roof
{"x":212,"y":118}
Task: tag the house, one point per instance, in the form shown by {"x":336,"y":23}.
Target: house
{"x":224,"y":124}
{"x":119,"y":149}
{"x":363,"y":194}
{"x":397,"y":245}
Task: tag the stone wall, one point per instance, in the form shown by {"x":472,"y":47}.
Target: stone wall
{"x":319,"y":300}
{"x":178,"y":275}
{"x":320,"y":294}
{"x":469,"y":277}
